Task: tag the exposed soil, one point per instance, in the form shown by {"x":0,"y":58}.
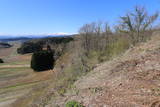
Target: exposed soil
{"x":131,"y":80}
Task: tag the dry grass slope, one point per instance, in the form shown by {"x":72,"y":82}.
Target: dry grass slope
{"x":130,"y":80}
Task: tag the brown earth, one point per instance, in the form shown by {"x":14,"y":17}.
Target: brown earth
{"x":130,"y":80}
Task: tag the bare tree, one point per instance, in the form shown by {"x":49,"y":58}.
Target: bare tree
{"x":93,"y":35}
{"x":86,"y":32}
{"x":137,"y":22}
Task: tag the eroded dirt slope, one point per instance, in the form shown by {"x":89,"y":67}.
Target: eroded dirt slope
{"x":131,"y":80}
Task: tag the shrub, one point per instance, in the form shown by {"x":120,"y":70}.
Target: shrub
{"x":42,"y":60}
{"x":1,"y":61}
{"x":73,"y":104}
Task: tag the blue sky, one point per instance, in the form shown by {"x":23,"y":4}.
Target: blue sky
{"x":56,"y":16}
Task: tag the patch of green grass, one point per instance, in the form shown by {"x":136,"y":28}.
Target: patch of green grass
{"x":73,"y":104}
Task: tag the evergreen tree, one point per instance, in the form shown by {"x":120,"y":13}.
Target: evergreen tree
{"x":42,"y":60}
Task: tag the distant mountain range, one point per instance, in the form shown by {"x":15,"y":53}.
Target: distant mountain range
{"x":26,"y":37}
{"x":15,"y":39}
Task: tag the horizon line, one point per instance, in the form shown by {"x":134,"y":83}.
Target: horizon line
{"x":37,"y":34}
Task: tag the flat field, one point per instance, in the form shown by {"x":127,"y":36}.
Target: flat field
{"x":16,"y":77}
